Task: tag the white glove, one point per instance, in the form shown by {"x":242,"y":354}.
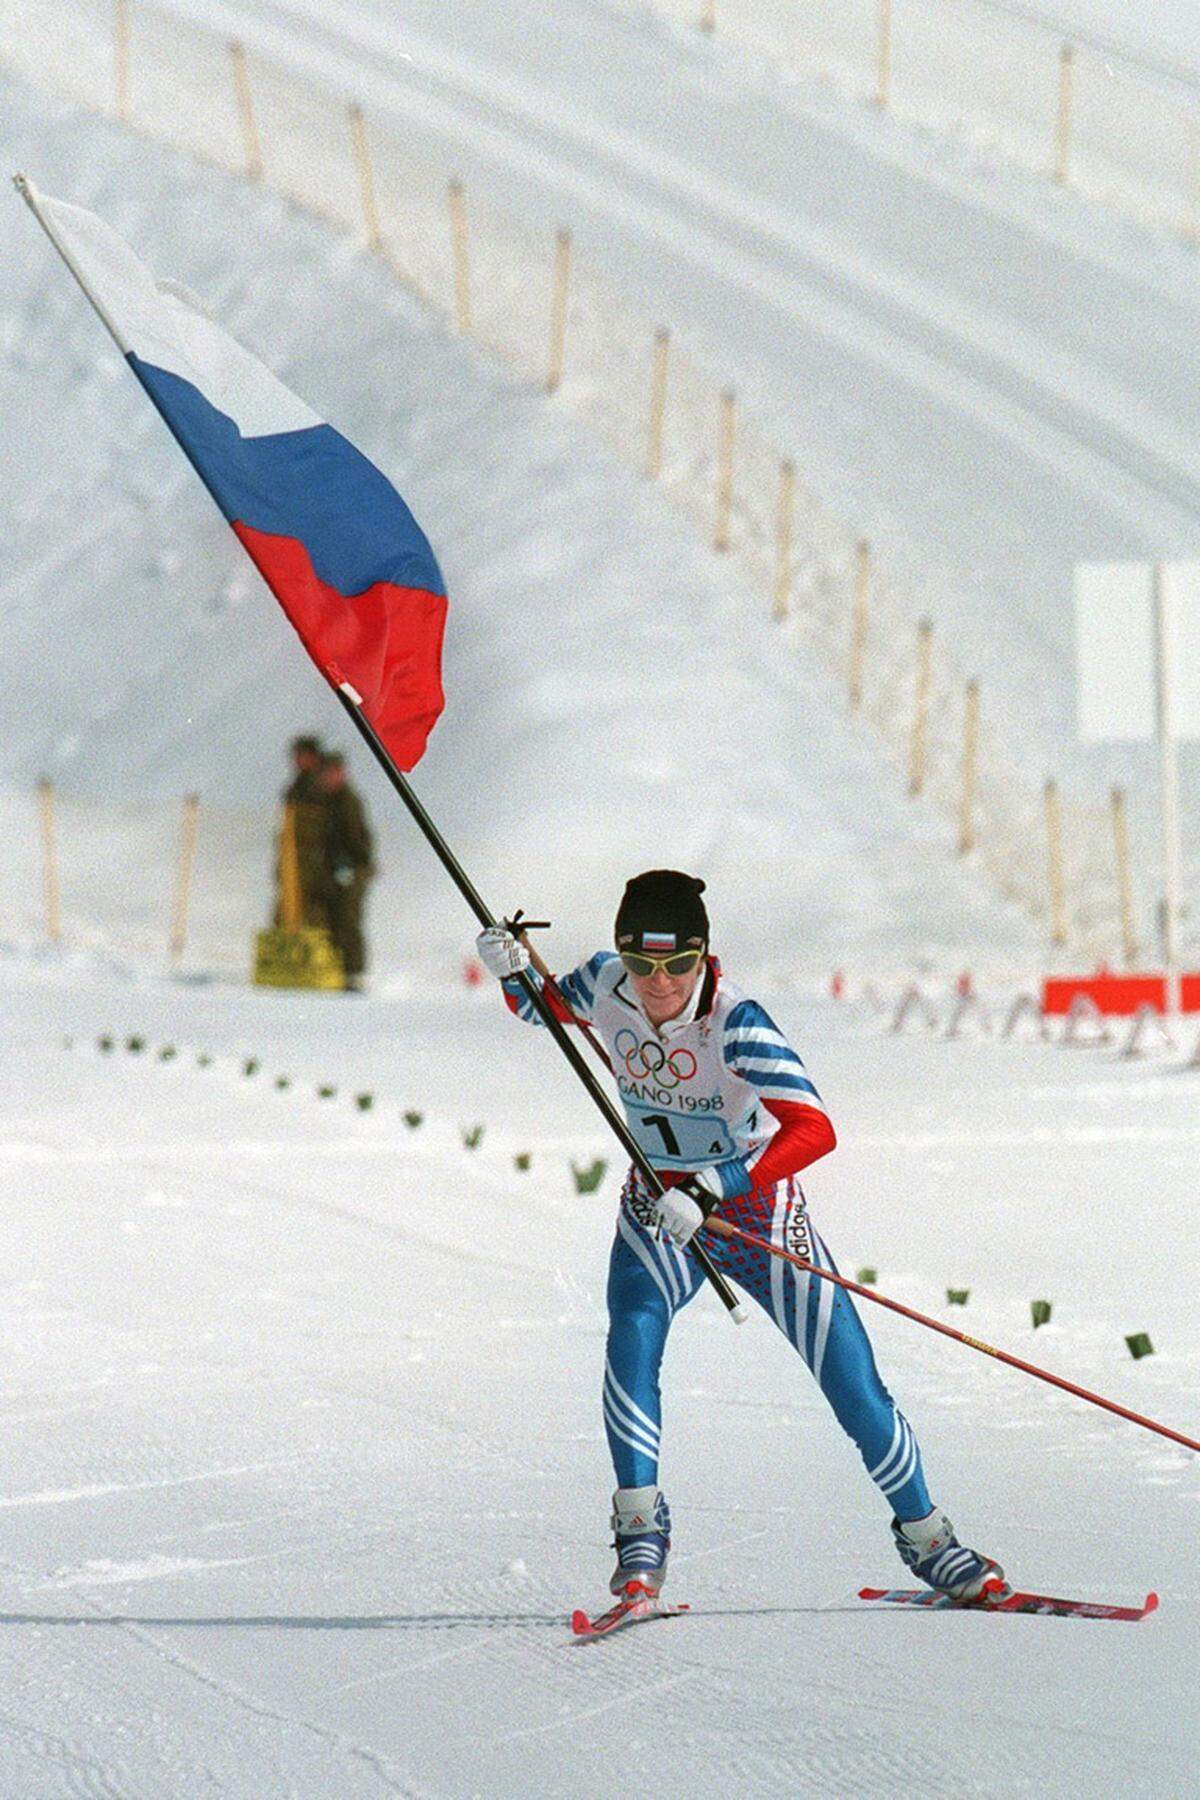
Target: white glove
{"x":500,"y":952}
{"x":679,"y":1215}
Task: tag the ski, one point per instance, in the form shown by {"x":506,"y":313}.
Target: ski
{"x":630,"y":1610}
{"x":1012,"y":1601}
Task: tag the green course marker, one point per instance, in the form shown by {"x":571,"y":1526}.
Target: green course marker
{"x":364,"y":1102}
{"x":522,"y":1160}
{"x":957,"y":1296}
{"x":867,"y":1277}
{"x":1039,"y":1311}
{"x":472,"y":1137}
{"x":1139,"y":1346}
{"x":413,"y":1119}
{"x":589,"y":1179}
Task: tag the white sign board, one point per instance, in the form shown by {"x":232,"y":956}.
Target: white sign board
{"x":1116,"y":653}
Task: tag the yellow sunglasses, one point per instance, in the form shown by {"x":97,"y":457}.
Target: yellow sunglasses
{"x":678,"y":963}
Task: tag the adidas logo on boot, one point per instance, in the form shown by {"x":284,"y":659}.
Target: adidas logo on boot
{"x":641,"y":1523}
{"x":930,"y":1549}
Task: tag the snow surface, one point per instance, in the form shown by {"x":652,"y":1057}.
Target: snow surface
{"x":1167,"y":33}
{"x":304,"y":1464}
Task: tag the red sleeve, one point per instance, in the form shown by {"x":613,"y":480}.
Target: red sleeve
{"x":514,"y":998}
{"x":804,"y":1135}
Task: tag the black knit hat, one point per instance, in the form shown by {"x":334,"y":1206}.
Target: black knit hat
{"x":662,"y":911}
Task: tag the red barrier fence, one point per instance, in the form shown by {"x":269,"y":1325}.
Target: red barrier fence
{"x":1118,"y":996}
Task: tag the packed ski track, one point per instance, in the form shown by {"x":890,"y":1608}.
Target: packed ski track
{"x":305,"y":1469}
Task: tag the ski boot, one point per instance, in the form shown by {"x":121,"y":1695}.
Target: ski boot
{"x":930,"y":1549}
{"x":641,"y":1523}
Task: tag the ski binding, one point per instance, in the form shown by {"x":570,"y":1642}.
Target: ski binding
{"x":635,"y":1604}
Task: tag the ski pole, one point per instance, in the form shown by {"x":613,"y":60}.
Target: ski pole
{"x":723,"y":1228}
{"x":535,"y":995}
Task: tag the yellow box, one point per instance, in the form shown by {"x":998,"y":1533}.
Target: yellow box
{"x":297,"y":959}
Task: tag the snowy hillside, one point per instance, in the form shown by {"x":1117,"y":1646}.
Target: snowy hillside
{"x":603,"y":670}
{"x":986,"y":377}
{"x":989,"y":378}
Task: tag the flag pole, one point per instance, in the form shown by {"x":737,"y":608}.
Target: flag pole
{"x":352,"y":702}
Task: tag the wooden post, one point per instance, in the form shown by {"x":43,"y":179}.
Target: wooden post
{"x":45,"y":790}
{"x":251,"y":146}
{"x":728,"y":430}
{"x":658,"y":402}
{"x":1129,"y":943}
{"x":121,"y":60}
{"x":291,"y":908}
{"x":1054,"y":849}
{"x":1062,"y":135}
{"x":708,"y":16}
{"x":858,"y":622}
{"x":366,"y":177}
{"x":970,"y":770}
{"x":784,"y":513}
{"x":558,"y":309}
{"x":462,"y":266}
{"x":918,"y":745}
{"x":883,"y":85}
{"x":183,"y":878}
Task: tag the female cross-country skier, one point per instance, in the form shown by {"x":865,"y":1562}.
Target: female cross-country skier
{"x":720,"y":1103}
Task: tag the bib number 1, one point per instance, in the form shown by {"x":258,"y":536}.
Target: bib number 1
{"x":662,"y":1124}
{"x":685,"y":1140}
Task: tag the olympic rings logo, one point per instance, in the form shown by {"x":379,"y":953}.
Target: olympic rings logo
{"x":650,"y":1062}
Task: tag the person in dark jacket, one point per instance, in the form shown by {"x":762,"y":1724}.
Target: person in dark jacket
{"x":347,"y":866}
{"x":305,"y":801}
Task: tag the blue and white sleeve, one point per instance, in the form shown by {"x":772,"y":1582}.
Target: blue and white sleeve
{"x":578,"y":991}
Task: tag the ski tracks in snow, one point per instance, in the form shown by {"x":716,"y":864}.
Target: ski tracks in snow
{"x":1013,"y":379}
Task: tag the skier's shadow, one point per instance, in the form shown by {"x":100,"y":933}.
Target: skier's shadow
{"x":376,"y":1622}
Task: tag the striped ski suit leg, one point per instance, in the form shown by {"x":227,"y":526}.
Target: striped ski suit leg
{"x":649,"y":1280}
{"x":819,"y":1319}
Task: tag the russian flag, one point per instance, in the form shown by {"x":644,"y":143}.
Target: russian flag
{"x":332,"y":538}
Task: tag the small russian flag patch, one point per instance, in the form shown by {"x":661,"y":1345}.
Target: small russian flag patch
{"x":658,"y":940}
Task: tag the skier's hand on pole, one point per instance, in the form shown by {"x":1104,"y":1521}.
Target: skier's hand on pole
{"x":684,"y":1208}
{"x":501,"y":954}
{"x":680,"y":1215}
